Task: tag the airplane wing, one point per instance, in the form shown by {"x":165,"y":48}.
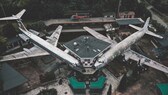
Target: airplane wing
{"x":26,"y":53}
{"x":34,"y":51}
{"x":130,"y":54}
{"x":53,"y":39}
{"x":98,"y":35}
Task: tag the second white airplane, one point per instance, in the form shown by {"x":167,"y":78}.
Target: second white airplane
{"x":46,"y":47}
{"x":123,"y":48}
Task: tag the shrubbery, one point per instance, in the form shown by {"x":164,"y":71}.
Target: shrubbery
{"x":47,"y":9}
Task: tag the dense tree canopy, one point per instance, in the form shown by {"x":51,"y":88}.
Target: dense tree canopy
{"x":46,"y":9}
{"x":161,"y":5}
{"x":8,"y":30}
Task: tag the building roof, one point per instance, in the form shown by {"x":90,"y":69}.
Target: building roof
{"x":86,"y":46}
{"x":76,"y":84}
{"x":10,"y":77}
{"x":163,"y":88}
{"x":127,"y":21}
{"x":98,"y":84}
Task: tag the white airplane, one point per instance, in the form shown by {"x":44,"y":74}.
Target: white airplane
{"x":47,"y":47}
{"x":123,"y":48}
{"x":41,"y":46}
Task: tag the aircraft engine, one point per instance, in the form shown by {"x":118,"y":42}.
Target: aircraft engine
{"x":24,"y":37}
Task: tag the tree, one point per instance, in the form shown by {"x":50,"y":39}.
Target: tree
{"x":158,"y":26}
{"x":98,"y":8}
{"x":1,"y":85}
{"x":38,"y":26}
{"x":128,"y":5}
{"x":141,"y":11}
{"x":8,"y":30}
{"x":19,"y":3}
{"x":2,"y":43}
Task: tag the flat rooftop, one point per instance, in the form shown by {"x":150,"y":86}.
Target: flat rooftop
{"x":95,"y":20}
{"x":86,"y":46}
{"x":10,"y":77}
{"x":127,"y":21}
{"x":84,"y":20}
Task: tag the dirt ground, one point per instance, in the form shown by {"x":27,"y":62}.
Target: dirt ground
{"x":146,"y":85}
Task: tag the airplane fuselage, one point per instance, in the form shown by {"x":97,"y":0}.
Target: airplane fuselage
{"x":50,"y":48}
{"x":118,"y":49}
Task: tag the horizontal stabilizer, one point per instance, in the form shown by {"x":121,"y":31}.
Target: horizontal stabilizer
{"x":14,"y":17}
{"x":9,"y":18}
{"x":135,"y":27}
{"x":154,"y":35}
{"x":147,"y":31}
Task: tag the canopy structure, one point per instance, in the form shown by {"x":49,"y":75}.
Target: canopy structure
{"x":163,"y":88}
{"x":129,"y":21}
{"x":99,"y":84}
{"x":76,"y":84}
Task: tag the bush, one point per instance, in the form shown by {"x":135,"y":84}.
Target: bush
{"x":38,"y":26}
{"x":158,"y":26}
{"x":49,"y":76}
{"x":141,"y":11}
{"x":9,"y":31}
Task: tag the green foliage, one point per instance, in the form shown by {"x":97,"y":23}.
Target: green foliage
{"x":47,"y":9}
{"x":78,"y":5}
{"x":158,"y":26}
{"x":2,"y":40}
{"x":161,"y":5}
{"x":128,"y":5}
{"x":141,"y":11}
{"x":38,"y":26}
{"x":19,"y":3}
{"x":47,"y":77}
{"x":1,"y":82}
{"x":2,"y":44}
{"x":9,"y":31}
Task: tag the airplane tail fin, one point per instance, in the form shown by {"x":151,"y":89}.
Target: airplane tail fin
{"x":19,"y":15}
{"x":145,"y":27}
{"x":14,"y":17}
{"x":154,"y":35}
